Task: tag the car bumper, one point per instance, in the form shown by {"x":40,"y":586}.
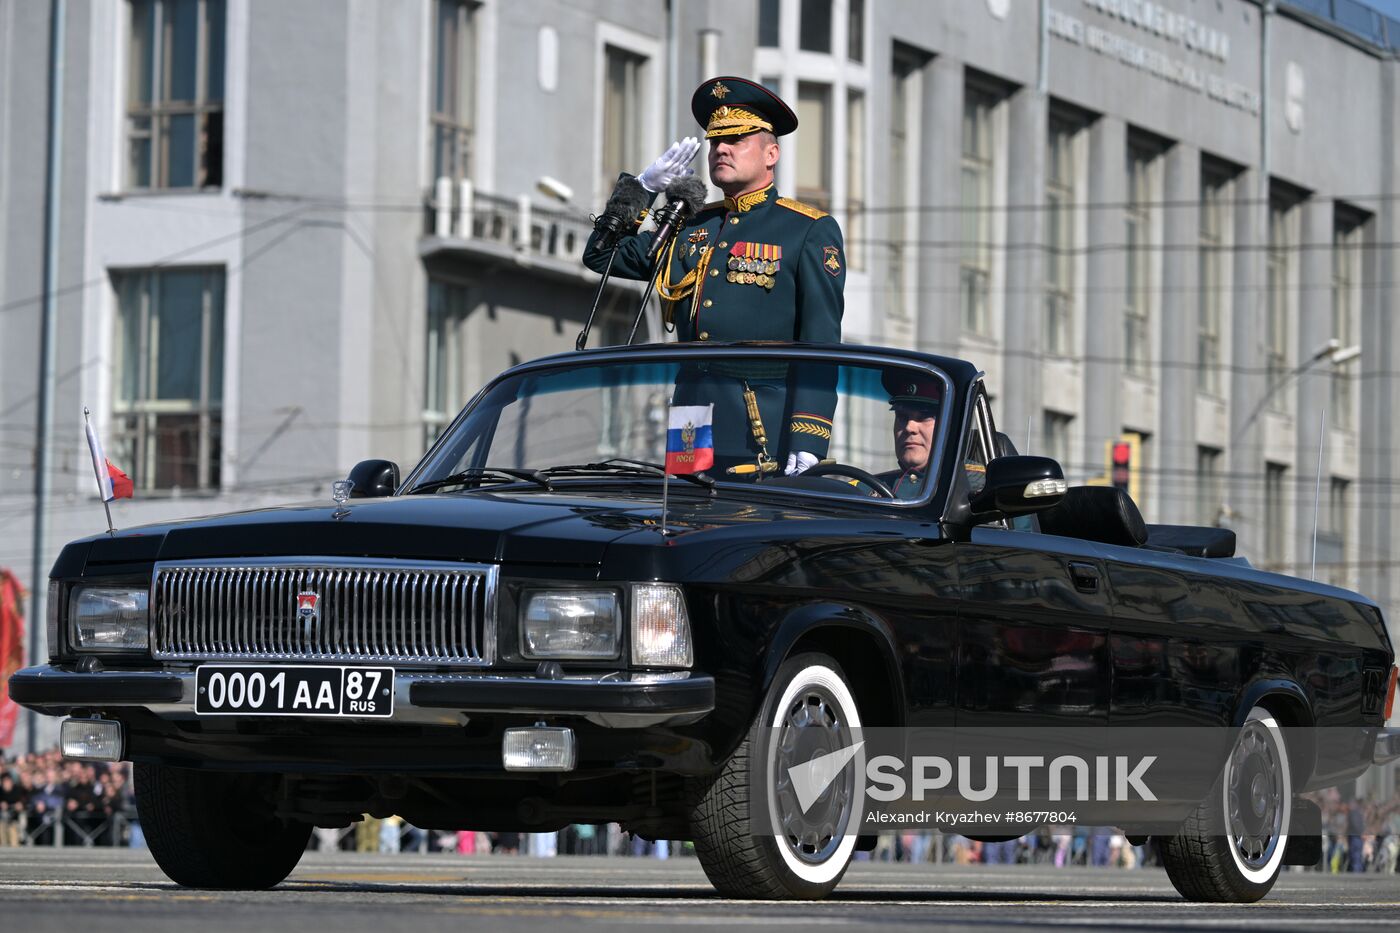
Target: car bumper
{"x":612,"y":700}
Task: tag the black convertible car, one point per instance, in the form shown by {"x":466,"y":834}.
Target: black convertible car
{"x":529,"y":630}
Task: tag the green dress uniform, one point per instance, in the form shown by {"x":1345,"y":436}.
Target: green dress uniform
{"x":755,"y":267}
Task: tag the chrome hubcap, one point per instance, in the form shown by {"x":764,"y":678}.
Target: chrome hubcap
{"x":812,"y":726}
{"x":1254,"y":796}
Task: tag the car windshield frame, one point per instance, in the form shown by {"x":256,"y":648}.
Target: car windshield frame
{"x":847,"y":356}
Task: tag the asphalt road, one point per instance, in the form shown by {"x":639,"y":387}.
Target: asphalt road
{"x":88,"y":890}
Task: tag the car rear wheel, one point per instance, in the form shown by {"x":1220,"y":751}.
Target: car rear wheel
{"x":211,"y":829}
{"x":771,"y":835}
{"x":1231,"y":848}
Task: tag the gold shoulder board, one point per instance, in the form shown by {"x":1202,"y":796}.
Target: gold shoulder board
{"x":807,"y":209}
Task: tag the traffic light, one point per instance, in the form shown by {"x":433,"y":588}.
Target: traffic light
{"x":1124,"y":467}
{"x":1120,"y":464}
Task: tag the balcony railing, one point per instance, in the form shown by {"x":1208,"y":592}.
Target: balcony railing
{"x":456,"y":211}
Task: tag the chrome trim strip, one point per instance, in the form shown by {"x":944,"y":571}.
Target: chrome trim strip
{"x":373,"y":611}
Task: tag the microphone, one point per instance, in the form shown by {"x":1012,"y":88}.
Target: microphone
{"x":684,"y":197}
{"x":627,"y":202}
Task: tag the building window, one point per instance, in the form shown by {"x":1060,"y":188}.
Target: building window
{"x":855,"y":179}
{"x":175,"y":94}
{"x":815,"y":32}
{"x":907,"y":70}
{"x":168,"y":397}
{"x":855,"y":30}
{"x":1055,"y":432}
{"x":1275,"y":540}
{"x":1346,"y":260}
{"x":1211,"y":260}
{"x":447,"y":357}
{"x":1059,"y":236}
{"x":1137,"y":241}
{"x":975,"y":274}
{"x":622,"y":113}
{"x":1210,"y":494}
{"x":814,"y":144}
{"x":1276,"y":317}
{"x":1338,"y":531}
{"x":768,"y":23}
{"x":454,"y":74}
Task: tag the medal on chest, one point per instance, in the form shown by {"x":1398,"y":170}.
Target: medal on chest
{"x":754,"y":264}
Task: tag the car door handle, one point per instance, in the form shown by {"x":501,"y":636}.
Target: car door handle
{"x":1085,"y":576}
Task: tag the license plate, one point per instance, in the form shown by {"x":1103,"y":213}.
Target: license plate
{"x":249,"y":690}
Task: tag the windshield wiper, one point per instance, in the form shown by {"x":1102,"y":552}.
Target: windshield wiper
{"x":478,"y":473}
{"x":623,"y":465}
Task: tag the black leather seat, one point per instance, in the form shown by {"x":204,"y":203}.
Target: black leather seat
{"x":1195,"y":540}
{"x":1105,"y":514}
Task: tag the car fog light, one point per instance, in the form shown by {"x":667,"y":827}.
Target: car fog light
{"x":660,"y":626}
{"x":539,"y":748}
{"x":1046,"y":487}
{"x":91,"y":739}
{"x":105,"y":618}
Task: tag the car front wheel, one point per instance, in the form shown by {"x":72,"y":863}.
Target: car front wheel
{"x":211,"y":829}
{"x":763,"y":828}
{"x":1231,"y":848}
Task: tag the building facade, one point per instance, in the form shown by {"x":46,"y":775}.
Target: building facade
{"x":295,"y":235}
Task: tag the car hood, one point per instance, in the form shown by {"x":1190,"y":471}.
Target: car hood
{"x":521,"y":527}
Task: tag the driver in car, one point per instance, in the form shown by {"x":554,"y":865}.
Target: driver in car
{"x":915,"y":399}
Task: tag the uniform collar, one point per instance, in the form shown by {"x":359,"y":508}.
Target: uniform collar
{"x":747,"y":202}
{"x":915,"y":484}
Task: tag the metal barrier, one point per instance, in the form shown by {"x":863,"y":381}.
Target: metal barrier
{"x":69,"y":829}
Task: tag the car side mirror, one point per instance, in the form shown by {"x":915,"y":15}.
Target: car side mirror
{"x":373,"y":479}
{"x":1020,"y":485}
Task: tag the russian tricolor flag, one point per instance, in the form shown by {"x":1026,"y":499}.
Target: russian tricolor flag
{"x":690,"y":443}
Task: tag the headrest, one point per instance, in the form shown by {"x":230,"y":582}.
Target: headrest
{"x":1105,"y":514}
{"x":1195,"y":540}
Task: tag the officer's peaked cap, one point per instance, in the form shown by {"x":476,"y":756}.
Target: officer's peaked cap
{"x":729,"y":106}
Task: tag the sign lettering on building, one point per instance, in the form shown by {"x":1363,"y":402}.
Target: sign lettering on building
{"x":1156,"y":19}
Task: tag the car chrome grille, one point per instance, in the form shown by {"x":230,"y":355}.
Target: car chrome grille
{"x":361,"y":611}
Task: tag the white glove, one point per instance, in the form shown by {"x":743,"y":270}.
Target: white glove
{"x":800,"y":463}
{"x":672,"y":164}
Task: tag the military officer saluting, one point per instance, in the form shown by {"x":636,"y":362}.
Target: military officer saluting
{"x":754,"y":266}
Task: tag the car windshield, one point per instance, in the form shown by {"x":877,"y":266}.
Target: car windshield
{"x":801,"y":423}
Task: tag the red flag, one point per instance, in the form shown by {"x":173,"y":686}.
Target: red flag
{"x":121,"y":483}
{"x":11,"y":651}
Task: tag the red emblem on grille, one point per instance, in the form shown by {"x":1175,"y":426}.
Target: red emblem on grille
{"x":306,"y":603}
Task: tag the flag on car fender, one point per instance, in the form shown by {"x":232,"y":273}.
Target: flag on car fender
{"x":690,"y":444}
{"x":112,"y":483}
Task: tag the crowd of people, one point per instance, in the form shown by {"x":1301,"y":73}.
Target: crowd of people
{"x":48,"y":800}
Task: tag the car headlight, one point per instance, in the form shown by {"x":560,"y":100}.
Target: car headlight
{"x":563,"y":624}
{"x":109,"y":618}
{"x":660,"y":626}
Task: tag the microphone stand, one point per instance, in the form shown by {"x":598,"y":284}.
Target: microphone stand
{"x":651,"y":279}
{"x":582,"y":340}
